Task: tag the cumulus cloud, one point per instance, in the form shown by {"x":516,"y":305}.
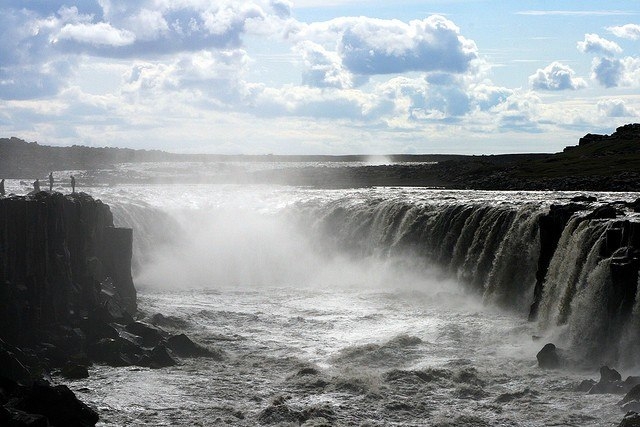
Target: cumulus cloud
{"x":211,"y":76}
{"x":556,"y":76}
{"x":148,"y":24}
{"x":593,"y":43}
{"x":438,"y":98}
{"x":628,"y":31}
{"x":616,"y":72}
{"x":323,"y":68}
{"x":608,"y":72}
{"x":370,"y":46}
{"x":520,"y":112}
{"x":615,"y":108}
{"x":40,"y":41}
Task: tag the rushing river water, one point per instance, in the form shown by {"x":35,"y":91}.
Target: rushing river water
{"x":375,"y":307}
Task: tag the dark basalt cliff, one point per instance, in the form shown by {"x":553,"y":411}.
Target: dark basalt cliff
{"x":64,"y":268}
{"x":621,"y":244}
{"x":67,"y":300}
{"x":61,"y":262}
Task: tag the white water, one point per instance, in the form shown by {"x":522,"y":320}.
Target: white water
{"x":410,"y":304}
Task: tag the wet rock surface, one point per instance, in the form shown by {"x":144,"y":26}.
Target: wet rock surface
{"x":631,"y":419}
{"x":549,"y":357}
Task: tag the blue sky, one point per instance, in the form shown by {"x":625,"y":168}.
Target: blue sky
{"x":318,"y":76}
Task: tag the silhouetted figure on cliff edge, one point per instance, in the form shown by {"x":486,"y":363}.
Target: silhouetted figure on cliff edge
{"x":2,"y":187}
{"x":50,"y":181}
{"x":36,"y":186}
{"x":73,"y":184}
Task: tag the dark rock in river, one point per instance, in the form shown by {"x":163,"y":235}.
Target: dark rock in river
{"x":610,"y":382}
{"x":632,"y":395}
{"x":159,"y":357}
{"x":584,"y":199}
{"x":585,"y":385}
{"x":608,"y":375}
{"x":74,"y":371}
{"x":184,"y":347}
{"x":631,"y":419}
{"x":549,"y":357}
{"x":151,"y":335}
{"x":279,"y":412}
{"x":107,"y":350}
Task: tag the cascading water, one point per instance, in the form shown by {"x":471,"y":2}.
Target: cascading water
{"x":402,"y":305}
{"x":493,"y":249}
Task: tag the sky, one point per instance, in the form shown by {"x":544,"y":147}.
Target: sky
{"x":318,"y":76}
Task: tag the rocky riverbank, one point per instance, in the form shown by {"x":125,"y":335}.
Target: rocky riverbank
{"x":67,"y":300}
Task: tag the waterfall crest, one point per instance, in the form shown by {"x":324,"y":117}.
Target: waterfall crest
{"x":586,"y":291}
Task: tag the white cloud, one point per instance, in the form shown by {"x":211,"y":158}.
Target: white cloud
{"x":556,"y":76}
{"x":370,"y":46}
{"x":96,"y":34}
{"x":628,"y":31}
{"x":323,"y":68}
{"x":593,"y":43}
{"x":616,"y":72}
{"x":520,"y":112}
{"x":148,"y":24}
{"x":208,"y":77}
{"x":615,"y":108}
{"x":282,"y":8}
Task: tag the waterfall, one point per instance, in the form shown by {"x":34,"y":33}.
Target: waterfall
{"x":492,"y":249}
{"x":570,"y":263}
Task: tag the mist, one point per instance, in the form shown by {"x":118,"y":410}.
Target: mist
{"x":239,"y":247}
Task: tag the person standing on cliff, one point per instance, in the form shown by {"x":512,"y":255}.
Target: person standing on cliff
{"x":36,"y":186}
{"x":50,"y":181}
{"x":73,"y":184}
{"x":2,"y":187}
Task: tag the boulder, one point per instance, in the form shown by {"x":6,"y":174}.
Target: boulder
{"x":633,"y":406}
{"x":159,"y":357}
{"x":107,"y":350}
{"x":183,"y":346}
{"x":549,"y":357}
{"x":631,"y":419}
{"x":73,"y":371}
{"x":609,"y":375}
{"x":610,"y":382}
{"x":604,"y":212}
{"x":631,"y":382}
{"x":151,"y":335}
{"x":51,"y":355}
{"x":632,"y":395}
{"x":57,"y":403}
{"x":97,"y":329}
{"x":585,"y":385}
